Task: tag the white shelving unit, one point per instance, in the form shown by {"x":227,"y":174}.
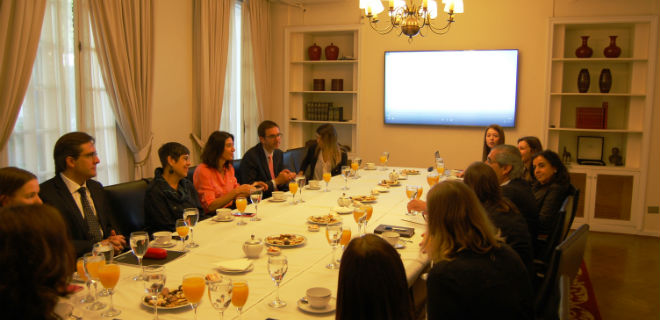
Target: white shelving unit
{"x":299,"y":75}
{"x":612,"y":197}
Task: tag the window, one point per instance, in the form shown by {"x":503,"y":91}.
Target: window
{"x":66,"y":93}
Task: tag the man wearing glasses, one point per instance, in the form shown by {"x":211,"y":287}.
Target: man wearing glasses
{"x":80,"y":200}
{"x":264,"y":162}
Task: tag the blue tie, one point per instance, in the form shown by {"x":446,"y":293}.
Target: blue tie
{"x":91,"y":219}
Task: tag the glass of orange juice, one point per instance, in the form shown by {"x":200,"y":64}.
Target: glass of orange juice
{"x":433,"y":178}
{"x":182,"y":229}
{"x":193,"y":286}
{"x":345,"y":237}
{"x":355,"y":165}
{"x":241,"y":204}
{"x":91,"y":263}
{"x":420,"y":190}
{"x":359,"y":214}
{"x":369,"y":211}
{"x":440,"y":165}
{"x":383,"y":160}
{"x":411,"y":193}
{"x":109,"y":276}
{"x":326,"y":177}
{"x":239,"y":294}
{"x":293,"y":188}
{"x":81,"y":274}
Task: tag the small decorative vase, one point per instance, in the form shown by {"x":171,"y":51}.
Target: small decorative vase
{"x":331,"y":52}
{"x":584,"y":51}
{"x":314,"y":52}
{"x":605,"y":80}
{"x":612,"y":51}
{"x":583,"y":81}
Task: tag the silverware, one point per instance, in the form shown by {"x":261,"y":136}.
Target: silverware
{"x":304,"y":300}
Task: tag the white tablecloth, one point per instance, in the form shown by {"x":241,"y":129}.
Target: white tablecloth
{"x":219,"y":241}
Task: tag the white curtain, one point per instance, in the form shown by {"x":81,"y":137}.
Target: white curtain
{"x":256,"y":65}
{"x":231,"y":120}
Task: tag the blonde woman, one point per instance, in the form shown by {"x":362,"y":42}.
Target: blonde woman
{"x":323,"y":155}
{"x":475,"y":274}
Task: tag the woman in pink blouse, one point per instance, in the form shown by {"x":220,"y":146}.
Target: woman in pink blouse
{"x":214,"y":179}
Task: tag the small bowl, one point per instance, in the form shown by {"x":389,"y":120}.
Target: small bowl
{"x":318,"y":297}
{"x":391,"y":237}
{"x":162,"y":237}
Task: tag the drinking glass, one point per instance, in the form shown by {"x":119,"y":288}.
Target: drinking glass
{"x":277,"y":268}
{"x":359,"y":214}
{"x":255,"y":197}
{"x":91,"y":263}
{"x":301,"y":185}
{"x":154,"y":282}
{"x":103,"y":249}
{"x":383,"y":160}
{"x":80,"y":268}
{"x":191,"y":215}
{"x":345,"y":171}
{"x":109,"y":276}
{"x":369,"y":211}
{"x":239,"y":295}
{"x":182,"y":229}
{"x":193,"y":286}
{"x":345,"y":237}
{"x":333,"y":233}
{"x":440,"y":166}
{"x":326,"y":177}
{"x":139,"y":244}
{"x":411,"y":192}
{"x":293,"y":188}
{"x":433,"y":178}
{"x":355,"y":165}
{"x":220,"y":292}
{"x":241,"y":204}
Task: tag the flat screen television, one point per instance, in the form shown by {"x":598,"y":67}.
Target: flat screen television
{"x":451,"y":88}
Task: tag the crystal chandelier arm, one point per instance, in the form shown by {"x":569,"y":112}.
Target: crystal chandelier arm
{"x":441,"y":30}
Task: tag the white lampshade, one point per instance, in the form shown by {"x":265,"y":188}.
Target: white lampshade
{"x":457,"y":5}
{"x":433,"y":9}
{"x":375,"y":6}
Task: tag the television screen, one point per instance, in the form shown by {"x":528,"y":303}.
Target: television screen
{"x":451,"y":88}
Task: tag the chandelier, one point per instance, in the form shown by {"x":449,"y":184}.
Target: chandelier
{"x":409,"y":17}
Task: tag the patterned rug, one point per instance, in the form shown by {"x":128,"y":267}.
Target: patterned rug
{"x":583,"y":299}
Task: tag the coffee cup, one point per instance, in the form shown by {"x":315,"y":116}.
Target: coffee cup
{"x":223,"y":213}
{"x":162,"y":237}
{"x":314,"y":184}
{"x":318,"y":297}
{"x":370,"y":165}
{"x":391,"y":237}
{"x":279,"y":195}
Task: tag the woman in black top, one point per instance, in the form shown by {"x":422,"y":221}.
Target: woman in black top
{"x":475,"y":274}
{"x":169,"y":193}
{"x":528,"y":146}
{"x":551,"y":185}
{"x":501,"y":211}
{"x":323,"y":155}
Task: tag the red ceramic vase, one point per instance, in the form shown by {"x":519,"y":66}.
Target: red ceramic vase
{"x":331,"y":52}
{"x":612,"y":51}
{"x":314,"y":52}
{"x":584,"y":51}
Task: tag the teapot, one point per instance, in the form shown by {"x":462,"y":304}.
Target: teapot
{"x":344,"y":201}
{"x":253,"y":247}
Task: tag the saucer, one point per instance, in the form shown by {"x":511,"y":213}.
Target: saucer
{"x":399,"y":246}
{"x":219,"y":219}
{"x":312,"y":188}
{"x":342,"y":210}
{"x":328,"y":308}
{"x":169,"y":244}
{"x":275,"y":200}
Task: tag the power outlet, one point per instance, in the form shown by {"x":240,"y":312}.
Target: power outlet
{"x":654,"y":209}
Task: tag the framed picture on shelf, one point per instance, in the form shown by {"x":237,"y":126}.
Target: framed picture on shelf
{"x":590,"y":150}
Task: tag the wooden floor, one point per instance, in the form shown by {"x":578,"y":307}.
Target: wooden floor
{"x":625,"y":273}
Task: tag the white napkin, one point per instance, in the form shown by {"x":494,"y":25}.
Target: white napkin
{"x":234,"y":265}
{"x":342,"y":210}
{"x":418,"y":219}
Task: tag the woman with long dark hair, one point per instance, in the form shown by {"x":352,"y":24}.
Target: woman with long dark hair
{"x":494,"y":135}
{"x":551,"y":184}
{"x":528,"y":146}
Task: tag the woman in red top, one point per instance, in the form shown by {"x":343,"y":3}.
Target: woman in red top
{"x":214,"y":179}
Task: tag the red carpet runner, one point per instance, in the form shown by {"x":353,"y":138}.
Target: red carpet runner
{"x":583,"y":299}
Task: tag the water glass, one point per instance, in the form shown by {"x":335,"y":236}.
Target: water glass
{"x":220,"y":291}
{"x":154,"y":282}
{"x":345,"y":171}
{"x":301,"y":185}
{"x":191,"y":215}
{"x":333,"y":233}
{"x":277,"y":268}
{"x":139,"y":243}
{"x":255,"y":197}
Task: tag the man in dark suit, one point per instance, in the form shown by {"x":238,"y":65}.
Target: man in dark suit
{"x":80,"y":200}
{"x":264,"y":162}
{"x":507,"y":163}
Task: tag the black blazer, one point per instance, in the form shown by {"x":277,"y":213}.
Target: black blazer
{"x":309,"y":162}
{"x":549,"y":198}
{"x":254,"y":167}
{"x":520,"y":193}
{"x":55,"y":193}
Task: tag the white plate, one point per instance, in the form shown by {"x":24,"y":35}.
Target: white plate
{"x":310,"y":188}
{"x":400,"y":245}
{"x":382,"y":189}
{"x":342,"y":210}
{"x":308,"y":308}
{"x":403,"y":177}
{"x":163,"y":245}
{"x":273,"y":200}
{"x":250,"y":268}
{"x":150,"y":306}
{"x":337,"y":221}
{"x":286,"y":245}
{"x":218,"y":219}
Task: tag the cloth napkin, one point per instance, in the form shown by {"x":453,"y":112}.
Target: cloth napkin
{"x":234,"y":265}
{"x":156,"y":253}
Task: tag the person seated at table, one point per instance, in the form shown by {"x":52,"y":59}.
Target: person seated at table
{"x":372,"y":282}
{"x":528,"y":147}
{"x":502,"y":212}
{"x":265,"y":161}
{"x":18,"y":187}
{"x":169,"y":192}
{"x":214,"y":178}
{"x":506,"y":161}
{"x":551,"y":184}
{"x":323,"y":155}
{"x":475,"y":274}
{"x":494,"y":135}
{"x":36,"y":259}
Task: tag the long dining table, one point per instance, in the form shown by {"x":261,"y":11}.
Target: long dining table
{"x":223,"y":241}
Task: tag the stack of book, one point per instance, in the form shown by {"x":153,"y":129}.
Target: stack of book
{"x":591,"y":118}
{"x":323,"y":111}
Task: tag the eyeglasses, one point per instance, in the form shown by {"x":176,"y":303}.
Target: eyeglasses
{"x":274,"y":136}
